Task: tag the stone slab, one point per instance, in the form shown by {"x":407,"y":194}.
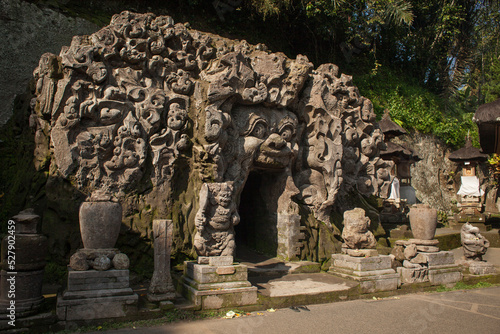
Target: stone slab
{"x":227,"y":270}
{"x":413,"y":275}
{"x":422,"y":242}
{"x":451,"y":274}
{"x":427,"y":249}
{"x":97,"y":293}
{"x":219,"y":261}
{"x":481,"y":268}
{"x":97,"y":280}
{"x":372,"y":283}
{"x":216,"y":286}
{"x":361,"y":252}
{"x":96,"y":308}
{"x":439,"y":258}
{"x":203,"y":273}
{"x":216,"y":299}
{"x":361,"y":264}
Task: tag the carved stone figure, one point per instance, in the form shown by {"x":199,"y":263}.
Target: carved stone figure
{"x":356,"y":234}
{"x":215,"y":220}
{"x":474,"y":244}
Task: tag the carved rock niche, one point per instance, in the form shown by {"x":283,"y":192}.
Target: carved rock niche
{"x":155,"y":113}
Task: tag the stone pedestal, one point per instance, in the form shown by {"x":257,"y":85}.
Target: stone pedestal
{"x":480,"y":268}
{"x":161,"y":287}
{"x":93,"y":294}
{"x":215,"y":282}
{"x":373,"y":273}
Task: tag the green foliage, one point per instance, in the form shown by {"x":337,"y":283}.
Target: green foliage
{"x":414,"y":107}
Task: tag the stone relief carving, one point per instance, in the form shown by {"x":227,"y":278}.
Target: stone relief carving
{"x":215,"y":220}
{"x":123,"y":104}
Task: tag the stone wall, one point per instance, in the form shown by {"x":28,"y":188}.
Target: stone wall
{"x":28,"y":32}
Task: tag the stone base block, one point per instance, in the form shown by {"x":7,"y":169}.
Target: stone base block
{"x":103,"y":307}
{"x":95,"y":294}
{"x":227,"y":297}
{"x":218,"y":286}
{"x":97,"y":280}
{"x":413,"y":275}
{"x":373,"y":273}
{"x":444,"y":274}
{"x":481,"y":268}
{"x":203,"y":273}
{"x":28,"y":292}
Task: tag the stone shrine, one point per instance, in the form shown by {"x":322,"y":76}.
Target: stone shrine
{"x":360,"y":260}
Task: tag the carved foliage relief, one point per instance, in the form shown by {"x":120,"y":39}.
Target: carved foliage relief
{"x":121,"y":99}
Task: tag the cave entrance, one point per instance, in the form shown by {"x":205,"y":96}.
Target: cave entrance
{"x":257,"y":230}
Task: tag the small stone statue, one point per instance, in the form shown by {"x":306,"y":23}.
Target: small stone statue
{"x":215,"y":220}
{"x":356,"y":234}
{"x":473,"y":243}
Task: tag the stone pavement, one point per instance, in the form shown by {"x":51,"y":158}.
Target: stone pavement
{"x":465,"y":311}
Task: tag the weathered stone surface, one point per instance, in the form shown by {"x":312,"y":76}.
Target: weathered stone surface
{"x":208,"y":274}
{"x":102,"y":262}
{"x":481,"y":268}
{"x":423,"y":221}
{"x":361,"y":252}
{"x":474,"y":244}
{"x":361,"y":264}
{"x":30,"y":31}
{"x":413,"y":275}
{"x":121,"y":261}
{"x":228,"y":270}
{"x":100,"y":224}
{"x":373,"y":273}
{"x":445,"y":275}
{"x":78,"y":261}
{"x":355,"y":233}
{"x":220,"y":261}
{"x":427,"y":249}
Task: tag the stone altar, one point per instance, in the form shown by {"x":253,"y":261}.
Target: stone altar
{"x":361,"y":261}
{"x":153,"y":112}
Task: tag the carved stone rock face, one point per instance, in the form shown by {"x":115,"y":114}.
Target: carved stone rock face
{"x":266,"y":135}
{"x":155,"y":113}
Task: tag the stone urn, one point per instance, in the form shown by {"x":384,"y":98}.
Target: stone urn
{"x":100,"y":221}
{"x":423,"y":221}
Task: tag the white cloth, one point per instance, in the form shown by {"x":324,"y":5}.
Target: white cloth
{"x":395,"y":189}
{"x":470,"y":187}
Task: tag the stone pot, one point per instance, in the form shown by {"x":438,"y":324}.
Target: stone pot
{"x":100,"y":224}
{"x":423,"y":221}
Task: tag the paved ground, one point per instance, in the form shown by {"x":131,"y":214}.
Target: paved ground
{"x":469,"y":311}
